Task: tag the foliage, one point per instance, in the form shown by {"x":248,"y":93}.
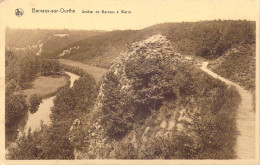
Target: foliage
{"x":30,"y":39}
{"x":23,"y":68}
{"x":36,"y":145}
{"x":117,"y":109}
{"x":153,"y":80}
{"x":15,"y":108}
{"x":11,"y":87}
{"x":52,"y":142}
{"x":35,"y":100}
{"x":208,"y":39}
{"x":49,"y":67}
{"x":74,"y":70}
{"x":210,"y":133}
{"x":243,"y":72}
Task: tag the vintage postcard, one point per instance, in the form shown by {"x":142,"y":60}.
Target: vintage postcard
{"x":129,"y":82}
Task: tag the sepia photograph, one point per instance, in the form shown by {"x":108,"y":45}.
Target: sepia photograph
{"x":175,"y":81}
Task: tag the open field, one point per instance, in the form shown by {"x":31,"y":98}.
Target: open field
{"x":96,"y":72}
{"x":46,"y":85}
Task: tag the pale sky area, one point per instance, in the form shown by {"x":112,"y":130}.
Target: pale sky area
{"x":144,"y":13}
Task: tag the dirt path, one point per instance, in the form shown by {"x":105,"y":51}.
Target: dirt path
{"x":245,"y":147}
{"x":96,"y":72}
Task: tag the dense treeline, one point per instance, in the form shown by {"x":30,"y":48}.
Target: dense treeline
{"x":208,"y":39}
{"x":23,"y":68}
{"x":52,"y":142}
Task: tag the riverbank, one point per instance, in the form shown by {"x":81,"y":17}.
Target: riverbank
{"x":57,"y":140}
{"x":96,"y":72}
{"x":44,"y":109}
{"x":47,"y":86}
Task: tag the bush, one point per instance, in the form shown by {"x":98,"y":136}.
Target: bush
{"x":35,"y":100}
{"x":117,"y":110}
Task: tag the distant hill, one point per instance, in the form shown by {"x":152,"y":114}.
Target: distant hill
{"x":43,"y":41}
{"x":208,"y":39}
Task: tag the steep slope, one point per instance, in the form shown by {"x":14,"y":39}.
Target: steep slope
{"x":238,"y":65}
{"x":155,"y":104}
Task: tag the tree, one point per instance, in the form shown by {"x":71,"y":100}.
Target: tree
{"x":49,"y":67}
{"x":35,"y":100}
{"x":15,"y":108}
{"x":11,"y":87}
{"x":117,"y":110}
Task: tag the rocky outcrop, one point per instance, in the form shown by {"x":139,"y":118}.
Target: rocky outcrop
{"x":68,"y":51}
{"x":161,"y":124}
{"x":156,"y":46}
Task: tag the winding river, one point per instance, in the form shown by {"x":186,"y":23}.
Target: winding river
{"x":43,"y":112}
{"x":245,"y":147}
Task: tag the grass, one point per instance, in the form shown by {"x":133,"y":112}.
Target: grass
{"x":96,"y":72}
{"x":46,"y":86}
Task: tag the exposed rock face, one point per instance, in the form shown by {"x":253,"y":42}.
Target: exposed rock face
{"x":155,"y":47}
{"x":155,"y":52}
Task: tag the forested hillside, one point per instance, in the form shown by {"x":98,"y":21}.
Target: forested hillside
{"x":208,"y":39}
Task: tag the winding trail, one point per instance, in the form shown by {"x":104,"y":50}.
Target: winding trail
{"x":245,"y":147}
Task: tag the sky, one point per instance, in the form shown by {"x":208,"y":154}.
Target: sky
{"x":143,"y":13}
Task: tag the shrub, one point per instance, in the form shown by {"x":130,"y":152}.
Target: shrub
{"x":117,"y":110}
{"x":35,"y":100}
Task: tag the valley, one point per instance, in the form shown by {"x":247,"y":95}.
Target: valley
{"x":168,"y":91}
